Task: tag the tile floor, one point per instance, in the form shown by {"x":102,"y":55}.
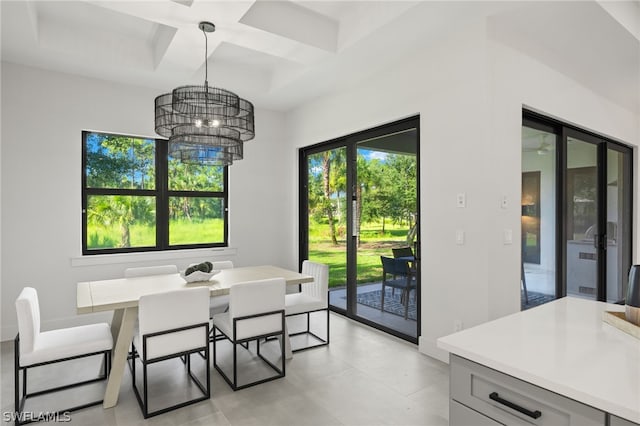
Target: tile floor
{"x":364,"y":377}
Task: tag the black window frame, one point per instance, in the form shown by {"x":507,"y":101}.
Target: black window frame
{"x":162,"y":195}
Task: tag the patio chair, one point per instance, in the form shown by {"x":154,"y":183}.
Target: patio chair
{"x":34,"y":348}
{"x":256,"y":311}
{"x":402,"y":278}
{"x":402,"y":252}
{"x":407,"y":254}
{"x":163,"y":337}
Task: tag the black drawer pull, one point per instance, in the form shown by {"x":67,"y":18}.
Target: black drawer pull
{"x":533,"y":414}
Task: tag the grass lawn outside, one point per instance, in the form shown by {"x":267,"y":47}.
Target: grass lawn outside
{"x":373,"y":244}
{"x":144,"y":235}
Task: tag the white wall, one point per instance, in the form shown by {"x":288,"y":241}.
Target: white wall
{"x":469,"y":91}
{"x":43,"y":114}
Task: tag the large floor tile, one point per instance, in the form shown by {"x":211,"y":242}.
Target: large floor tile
{"x":363,"y":377}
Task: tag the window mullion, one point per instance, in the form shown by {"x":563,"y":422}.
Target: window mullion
{"x":162,"y":202}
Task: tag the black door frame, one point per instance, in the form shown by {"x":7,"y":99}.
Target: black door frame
{"x":349,"y":142}
{"x":563,"y":131}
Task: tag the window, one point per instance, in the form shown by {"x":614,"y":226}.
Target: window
{"x":137,"y":198}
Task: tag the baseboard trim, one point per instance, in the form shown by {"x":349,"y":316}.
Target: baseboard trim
{"x":430,"y":348}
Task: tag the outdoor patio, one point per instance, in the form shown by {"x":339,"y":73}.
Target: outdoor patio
{"x":368,"y":307}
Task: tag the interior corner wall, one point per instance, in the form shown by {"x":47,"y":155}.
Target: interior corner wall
{"x":517,"y":81}
{"x":43,"y":115}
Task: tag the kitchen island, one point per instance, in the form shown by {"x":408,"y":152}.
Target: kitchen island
{"x":558,"y":363}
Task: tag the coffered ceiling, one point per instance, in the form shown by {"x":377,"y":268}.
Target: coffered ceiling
{"x":278,"y":54}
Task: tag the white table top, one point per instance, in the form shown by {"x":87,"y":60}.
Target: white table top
{"x":107,"y":295}
{"x":565,"y":347}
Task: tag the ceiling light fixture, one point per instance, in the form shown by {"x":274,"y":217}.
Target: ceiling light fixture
{"x":204,"y":124}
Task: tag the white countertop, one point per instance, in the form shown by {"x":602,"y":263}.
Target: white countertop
{"x":565,"y":347}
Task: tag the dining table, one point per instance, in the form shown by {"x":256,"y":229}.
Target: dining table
{"x":121,"y":295}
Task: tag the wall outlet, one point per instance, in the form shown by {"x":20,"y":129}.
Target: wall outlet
{"x":457,"y":325}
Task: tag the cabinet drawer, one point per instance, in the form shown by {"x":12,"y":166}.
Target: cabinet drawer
{"x":514,"y":402}
{"x":459,"y":415}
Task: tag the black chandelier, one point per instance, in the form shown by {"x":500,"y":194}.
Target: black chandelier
{"x":205,"y":125}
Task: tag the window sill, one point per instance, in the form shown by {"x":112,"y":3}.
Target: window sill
{"x":112,"y":259}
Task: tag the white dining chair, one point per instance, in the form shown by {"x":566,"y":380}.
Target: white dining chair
{"x":146,"y":271}
{"x":313,"y":297}
{"x":256,"y":311}
{"x":162,"y":337}
{"x":35,"y":348}
{"x":219,"y":304}
{"x":150,"y":270}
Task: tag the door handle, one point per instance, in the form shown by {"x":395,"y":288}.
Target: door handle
{"x":533,"y":414}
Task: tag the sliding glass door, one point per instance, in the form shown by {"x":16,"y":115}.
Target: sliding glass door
{"x":582,"y":205}
{"x":576,"y":213}
{"x":618,"y":218}
{"x":359,"y":203}
{"x":325,"y":216}
{"x":539,"y":215}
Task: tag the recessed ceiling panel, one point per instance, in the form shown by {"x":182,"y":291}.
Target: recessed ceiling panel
{"x":187,"y":3}
{"x":93,"y":32}
{"x":295,"y":22}
{"x":228,"y":52}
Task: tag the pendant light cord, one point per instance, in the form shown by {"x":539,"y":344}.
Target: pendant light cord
{"x":206,"y":58}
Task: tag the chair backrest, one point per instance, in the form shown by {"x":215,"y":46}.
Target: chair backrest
{"x":222,"y":264}
{"x":150,"y":270}
{"x":394,"y":266}
{"x":254,"y":298}
{"x":28,"y":311}
{"x":319,"y":288}
{"x":174,"y":309}
{"x":402,"y":252}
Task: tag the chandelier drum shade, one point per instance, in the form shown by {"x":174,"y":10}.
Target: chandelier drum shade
{"x":204,"y":154}
{"x":204,"y":124}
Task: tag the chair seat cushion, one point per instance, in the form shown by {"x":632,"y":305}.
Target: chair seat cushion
{"x":399,"y":283}
{"x":297,"y":303}
{"x":69,"y":342}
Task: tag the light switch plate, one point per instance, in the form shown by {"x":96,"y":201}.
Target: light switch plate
{"x":508,"y":236}
{"x":504,"y":202}
{"x":459,"y":237}
{"x":461,"y":200}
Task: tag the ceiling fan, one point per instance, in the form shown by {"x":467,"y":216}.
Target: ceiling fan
{"x":542,"y":148}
